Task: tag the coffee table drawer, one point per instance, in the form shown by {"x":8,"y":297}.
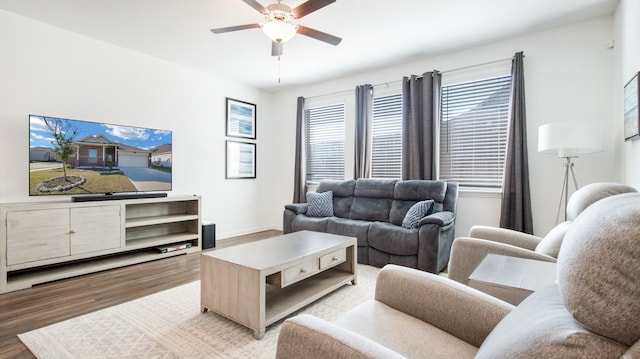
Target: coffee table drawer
{"x":333,"y":259}
{"x":299,"y":272}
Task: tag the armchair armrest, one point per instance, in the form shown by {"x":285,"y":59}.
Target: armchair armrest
{"x":440,"y":218}
{"x":459,"y":310}
{"x":507,"y":236}
{"x":467,"y":253}
{"x":297,"y":208}
{"x":305,"y":336}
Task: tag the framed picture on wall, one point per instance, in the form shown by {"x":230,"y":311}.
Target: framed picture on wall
{"x":631,"y":111}
{"x":241,"y":119}
{"x":241,"y":160}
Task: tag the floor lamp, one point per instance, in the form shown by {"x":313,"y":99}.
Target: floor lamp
{"x":569,"y":140}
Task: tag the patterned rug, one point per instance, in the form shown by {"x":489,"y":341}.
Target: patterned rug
{"x":169,"y":324}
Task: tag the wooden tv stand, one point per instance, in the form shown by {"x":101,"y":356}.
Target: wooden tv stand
{"x":46,"y":241}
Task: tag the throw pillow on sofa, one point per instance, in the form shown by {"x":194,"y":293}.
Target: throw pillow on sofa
{"x":417,"y":212}
{"x":320,"y":204}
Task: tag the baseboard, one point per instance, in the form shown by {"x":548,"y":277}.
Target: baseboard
{"x":229,"y":235}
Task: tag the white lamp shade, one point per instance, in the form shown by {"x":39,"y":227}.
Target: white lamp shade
{"x":570,"y":139}
{"x":278,"y":30}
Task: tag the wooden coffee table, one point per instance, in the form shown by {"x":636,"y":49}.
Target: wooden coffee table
{"x":259,"y":283}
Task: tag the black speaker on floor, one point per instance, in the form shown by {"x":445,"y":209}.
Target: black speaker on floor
{"x":208,"y":235}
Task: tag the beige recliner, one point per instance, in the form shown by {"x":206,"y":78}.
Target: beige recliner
{"x":468,"y":252}
{"x":591,"y":312}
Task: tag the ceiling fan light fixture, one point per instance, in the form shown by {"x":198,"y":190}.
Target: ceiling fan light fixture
{"x":278,"y":30}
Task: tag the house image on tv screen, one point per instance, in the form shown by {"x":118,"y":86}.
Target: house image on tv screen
{"x":44,"y":154}
{"x":161,"y":156}
{"x":99,"y":151}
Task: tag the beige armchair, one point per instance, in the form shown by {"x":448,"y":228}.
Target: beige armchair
{"x":468,"y":252}
{"x":421,"y":315}
{"x":414,"y":313}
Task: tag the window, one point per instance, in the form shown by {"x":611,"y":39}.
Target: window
{"x":324,"y":142}
{"x":473,"y":132}
{"x":386,"y":133}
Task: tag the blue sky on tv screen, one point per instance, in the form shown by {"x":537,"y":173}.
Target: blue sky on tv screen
{"x":143,"y":138}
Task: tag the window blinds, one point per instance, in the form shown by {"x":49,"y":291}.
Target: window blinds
{"x":324,"y":142}
{"x":473,"y":132}
{"x":386,"y":123}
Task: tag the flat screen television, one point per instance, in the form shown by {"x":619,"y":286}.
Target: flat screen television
{"x":94,"y":160}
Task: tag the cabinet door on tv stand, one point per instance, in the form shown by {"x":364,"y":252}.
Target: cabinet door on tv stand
{"x":95,"y":229}
{"x":34,"y":235}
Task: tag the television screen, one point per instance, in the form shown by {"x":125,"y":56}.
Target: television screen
{"x":72,"y":157}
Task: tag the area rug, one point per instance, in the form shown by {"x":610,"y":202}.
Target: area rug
{"x":169,"y":324}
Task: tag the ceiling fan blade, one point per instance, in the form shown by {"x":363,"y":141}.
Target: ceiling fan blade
{"x":276,"y":48}
{"x":309,"y":7}
{"x":319,"y":35}
{"x":234,"y":28}
{"x":256,"y":5}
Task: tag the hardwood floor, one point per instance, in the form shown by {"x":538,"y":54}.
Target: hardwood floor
{"x":49,"y":303}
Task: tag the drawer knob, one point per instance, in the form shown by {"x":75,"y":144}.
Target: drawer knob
{"x":334,"y":259}
{"x":302,"y":270}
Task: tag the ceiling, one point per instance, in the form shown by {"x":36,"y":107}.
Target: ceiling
{"x":375,"y":33}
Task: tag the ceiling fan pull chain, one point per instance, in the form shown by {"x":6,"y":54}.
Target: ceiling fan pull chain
{"x":279,"y":69}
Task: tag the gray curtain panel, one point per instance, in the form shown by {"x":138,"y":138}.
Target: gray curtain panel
{"x":364,"y":109}
{"x":420,"y":111}
{"x":299,"y":187}
{"x":515,"y":210}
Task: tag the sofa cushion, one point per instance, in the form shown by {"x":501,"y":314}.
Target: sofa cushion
{"x":350,"y":228}
{"x":320,"y":204}
{"x":338,"y":187}
{"x":372,"y":199}
{"x":376,"y":188}
{"x":402,"y":333}
{"x":416,"y":213}
{"x":551,"y":243}
{"x":393,"y":239}
{"x":408,"y":193}
{"x":370,"y":209}
{"x":302,"y":222}
{"x":416,"y":190}
{"x":399,"y":210}
{"x":541,"y":327}
{"x":599,"y":267}
{"x":342,"y":195}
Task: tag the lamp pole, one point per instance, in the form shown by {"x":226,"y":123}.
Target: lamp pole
{"x":564,"y":193}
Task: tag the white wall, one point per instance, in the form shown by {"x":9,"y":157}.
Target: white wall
{"x":568,"y":76}
{"x":627,"y":35}
{"x":49,"y":71}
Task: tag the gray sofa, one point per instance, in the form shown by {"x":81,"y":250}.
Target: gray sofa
{"x":373,"y":210}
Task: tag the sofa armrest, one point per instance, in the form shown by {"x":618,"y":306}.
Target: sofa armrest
{"x":305,"y":336}
{"x":442,"y":219}
{"x":507,"y":236}
{"x":467,"y":253}
{"x":297,"y":208}
{"x":457,"y":309}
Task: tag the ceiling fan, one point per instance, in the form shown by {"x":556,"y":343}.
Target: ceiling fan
{"x":279,"y":27}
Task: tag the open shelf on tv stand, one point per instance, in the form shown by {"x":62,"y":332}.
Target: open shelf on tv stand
{"x":46,"y":241}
